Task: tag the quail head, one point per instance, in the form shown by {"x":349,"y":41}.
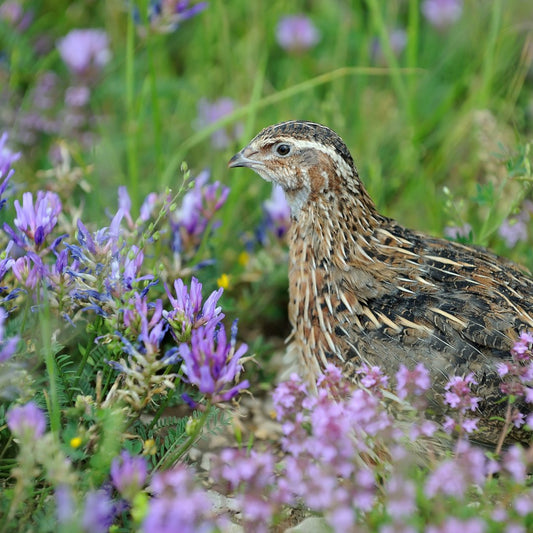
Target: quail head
{"x":364,"y":289}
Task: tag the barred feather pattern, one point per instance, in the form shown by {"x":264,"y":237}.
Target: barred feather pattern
{"x":364,"y":289}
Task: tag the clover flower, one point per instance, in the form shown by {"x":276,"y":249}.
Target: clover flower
{"x":212,"y":363}
{"x":442,"y":13}
{"x":26,"y":421}
{"x":178,"y":504}
{"x":35,"y":221}
{"x":210,"y":112}
{"x":297,"y":33}
{"x":84,"y":50}
{"x":128,"y":474}
{"x":188,"y":313}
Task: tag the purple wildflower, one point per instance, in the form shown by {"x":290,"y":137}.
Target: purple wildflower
{"x":128,"y":474}
{"x":77,"y":96}
{"x":211,"y":363}
{"x":150,"y":330}
{"x":198,"y":207}
{"x":458,"y":394}
{"x":29,"y":270}
{"x":397,"y":41}
{"x":177,"y":505}
{"x":7,"y":158}
{"x":166,"y":15}
{"x":515,"y":463}
{"x":297,"y":33}
{"x":452,"y":525}
{"x":65,"y":505}
{"x":124,"y":204}
{"x":453,"y":476}
{"x":401,"y":497}
{"x":210,"y":112}
{"x":98,"y":513}
{"x":36,"y":221}
{"x":148,"y":206}
{"x":372,"y":377}
{"x":7,"y":346}
{"x":251,"y":476}
{"x":442,"y":13}
{"x":84,"y":50}
{"x":26,"y":421}
{"x":278,"y":213}
{"x":188,"y":312}
{"x":414,"y":382}
{"x":513,"y":231}
{"x":289,"y":396}
{"x":458,"y":232}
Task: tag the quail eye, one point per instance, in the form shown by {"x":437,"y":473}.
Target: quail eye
{"x":283,"y":149}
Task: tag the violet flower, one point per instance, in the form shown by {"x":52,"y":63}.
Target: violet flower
{"x":458,"y":394}
{"x":37,"y":220}
{"x":211,"y":363}
{"x":414,"y":382}
{"x":188,"y":313}
{"x":198,"y":207}
{"x":178,"y":504}
{"x":98,"y":513}
{"x":7,"y":346}
{"x":458,"y":232}
{"x":210,"y":112}
{"x":29,"y":270}
{"x":397,"y":42}
{"x":514,"y":230}
{"x":297,"y":33}
{"x":442,"y":13}
{"x":149,"y":330}
{"x":165,"y":16}
{"x":84,"y":50}
{"x":278,"y":213}
{"x":26,"y":421}
{"x":7,"y":158}
{"x":128,"y":474}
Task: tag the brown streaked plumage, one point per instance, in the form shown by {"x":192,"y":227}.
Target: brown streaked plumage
{"x":364,"y":289}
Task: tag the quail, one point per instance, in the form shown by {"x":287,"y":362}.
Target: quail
{"x":365,"y":289}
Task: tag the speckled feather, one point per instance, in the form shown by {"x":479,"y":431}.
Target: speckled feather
{"x":364,"y":289}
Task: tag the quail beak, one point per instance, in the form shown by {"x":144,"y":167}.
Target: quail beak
{"x":243,"y":159}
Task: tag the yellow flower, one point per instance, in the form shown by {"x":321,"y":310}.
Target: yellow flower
{"x":244,"y":258}
{"x":149,"y":447}
{"x":223,"y":281}
{"x":75,"y":442}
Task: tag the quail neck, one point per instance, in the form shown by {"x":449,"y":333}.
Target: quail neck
{"x":365,"y":289}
